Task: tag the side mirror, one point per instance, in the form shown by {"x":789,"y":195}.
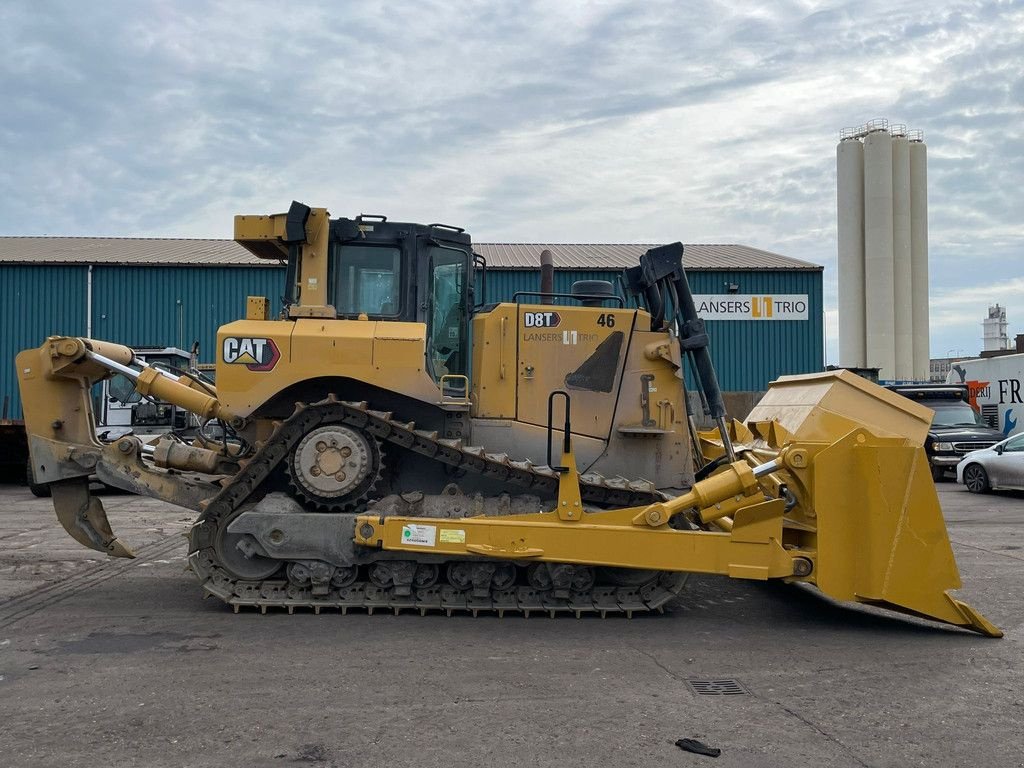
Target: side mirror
{"x":999,"y":449}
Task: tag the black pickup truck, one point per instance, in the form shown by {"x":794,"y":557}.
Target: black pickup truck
{"x":957,"y":429}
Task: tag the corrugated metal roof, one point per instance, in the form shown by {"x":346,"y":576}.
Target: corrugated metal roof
{"x":166,"y":251}
{"x":123,"y":250}
{"x":621,"y":255}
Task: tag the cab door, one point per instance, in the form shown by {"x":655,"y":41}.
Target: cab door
{"x":1007,"y":469}
{"x":448,"y":298}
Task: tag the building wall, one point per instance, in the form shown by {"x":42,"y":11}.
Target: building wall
{"x":939,"y":368}
{"x":176,"y":305}
{"x":138,"y":306}
{"x":35,"y":302}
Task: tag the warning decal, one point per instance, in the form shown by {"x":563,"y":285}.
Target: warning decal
{"x":452,"y":536}
{"x":420,"y":535}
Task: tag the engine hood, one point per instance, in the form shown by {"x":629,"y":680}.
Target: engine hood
{"x":979,"y":434}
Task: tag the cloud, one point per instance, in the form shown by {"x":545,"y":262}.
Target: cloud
{"x":573,"y":121}
{"x":950,"y":305}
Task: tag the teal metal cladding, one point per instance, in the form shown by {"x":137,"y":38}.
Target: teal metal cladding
{"x":747,"y":353}
{"x":176,"y":305}
{"x":503,"y":284}
{"x":750,"y":353}
{"x":138,"y":306}
{"x":35,"y":302}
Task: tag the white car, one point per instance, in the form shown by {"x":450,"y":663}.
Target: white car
{"x":1001,"y":466}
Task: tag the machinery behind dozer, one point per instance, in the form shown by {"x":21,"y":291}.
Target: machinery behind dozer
{"x":385,"y":442}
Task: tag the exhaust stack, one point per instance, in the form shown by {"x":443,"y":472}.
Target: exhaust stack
{"x":547,"y":276}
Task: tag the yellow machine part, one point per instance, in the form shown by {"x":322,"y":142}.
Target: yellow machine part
{"x":55,"y":381}
{"x":823,"y":406}
{"x":389,"y":355}
{"x":263,"y":236}
{"x":847,"y":506}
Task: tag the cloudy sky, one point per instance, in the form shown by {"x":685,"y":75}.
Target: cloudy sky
{"x":533,"y":122}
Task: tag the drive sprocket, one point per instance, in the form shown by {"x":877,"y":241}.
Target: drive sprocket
{"x":335,"y":467}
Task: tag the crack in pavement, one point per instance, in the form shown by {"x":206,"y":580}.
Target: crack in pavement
{"x":818,"y":729}
{"x":821,"y":731}
{"x":983,"y":549}
{"x":661,"y":666}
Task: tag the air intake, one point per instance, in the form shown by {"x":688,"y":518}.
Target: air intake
{"x":592,"y":292}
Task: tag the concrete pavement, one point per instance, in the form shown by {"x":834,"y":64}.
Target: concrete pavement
{"x":121,"y":663}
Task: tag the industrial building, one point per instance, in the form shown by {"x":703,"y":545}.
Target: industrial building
{"x":764,"y":310}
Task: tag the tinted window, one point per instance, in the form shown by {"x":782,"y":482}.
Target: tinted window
{"x":448,"y":310}
{"x":123,"y":389}
{"x":367,"y":279}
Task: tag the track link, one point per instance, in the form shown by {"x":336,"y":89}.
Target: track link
{"x":602,"y":599}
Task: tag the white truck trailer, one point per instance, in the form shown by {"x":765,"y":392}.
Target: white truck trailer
{"x":996,"y":387}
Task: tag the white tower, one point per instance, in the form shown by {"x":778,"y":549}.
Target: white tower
{"x":919,"y":253}
{"x":994,"y":334}
{"x":879,"y":291}
{"x":850,"y":163}
{"x":902,"y":270}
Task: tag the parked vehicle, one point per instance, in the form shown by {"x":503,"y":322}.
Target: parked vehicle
{"x":1000,"y":467}
{"x":996,"y":388}
{"x":348,"y":419}
{"x":957,"y":428}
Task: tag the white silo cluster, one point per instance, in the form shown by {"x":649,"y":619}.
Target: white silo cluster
{"x":883,"y":250}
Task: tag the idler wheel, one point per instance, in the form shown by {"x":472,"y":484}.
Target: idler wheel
{"x":239,"y":554}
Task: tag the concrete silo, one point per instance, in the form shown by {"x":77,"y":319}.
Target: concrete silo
{"x":883,"y":250}
{"x":879,"y":296}
{"x":902,"y":271}
{"x":850,"y":172}
{"x":919,"y":253}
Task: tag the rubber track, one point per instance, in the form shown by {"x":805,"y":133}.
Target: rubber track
{"x":362,"y":595}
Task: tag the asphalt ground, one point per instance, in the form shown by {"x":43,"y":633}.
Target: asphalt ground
{"x":121,"y":663}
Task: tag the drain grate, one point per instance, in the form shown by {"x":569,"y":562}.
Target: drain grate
{"x":717,"y":687}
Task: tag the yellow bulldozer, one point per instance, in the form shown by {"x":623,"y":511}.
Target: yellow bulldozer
{"x":387,"y":440}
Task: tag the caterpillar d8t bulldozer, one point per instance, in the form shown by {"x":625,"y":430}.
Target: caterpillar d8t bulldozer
{"x":385,"y":441}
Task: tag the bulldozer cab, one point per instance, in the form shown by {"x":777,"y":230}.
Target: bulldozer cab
{"x":376,"y":270}
{"x":406,"y":272}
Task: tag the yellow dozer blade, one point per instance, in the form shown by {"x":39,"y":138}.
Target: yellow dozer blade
{"x":866,"y":488}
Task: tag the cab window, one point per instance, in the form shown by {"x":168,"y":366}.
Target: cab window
{"x":366,"y":278}
{"x":448,"y":311}
{"x":122,"y":389}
